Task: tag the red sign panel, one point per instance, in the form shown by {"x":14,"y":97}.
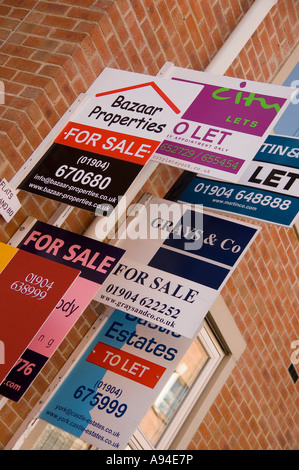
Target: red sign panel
{"x":107,"y":142}
{"x":31,"y":287}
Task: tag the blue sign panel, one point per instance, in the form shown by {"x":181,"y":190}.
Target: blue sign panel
{"x":116,"y":380}
{"x":268,"y":191}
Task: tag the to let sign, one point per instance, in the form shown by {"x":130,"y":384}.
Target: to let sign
{"x":116,"y":380}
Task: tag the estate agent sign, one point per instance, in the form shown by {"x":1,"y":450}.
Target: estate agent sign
{"x":30,"y":288}
{"x":268,"y":190}
{"x":174,"y":273}
{"x":223,"y":128}
{"x":114,"y":383}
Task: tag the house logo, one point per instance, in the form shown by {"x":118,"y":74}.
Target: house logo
{"x":142,"y":85}
{"x":134,"y":108}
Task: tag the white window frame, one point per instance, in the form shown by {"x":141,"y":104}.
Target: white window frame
{"x":213,"y":348}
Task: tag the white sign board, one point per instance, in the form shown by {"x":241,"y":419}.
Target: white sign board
{"x":174,"y":268}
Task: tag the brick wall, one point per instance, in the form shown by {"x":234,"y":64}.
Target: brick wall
{"x":53,"y":50}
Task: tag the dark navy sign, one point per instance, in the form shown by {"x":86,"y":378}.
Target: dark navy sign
{"x":268,"y":190}
{"x":173,"y":278}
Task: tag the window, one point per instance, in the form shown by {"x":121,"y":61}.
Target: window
{"x":176,"y":399}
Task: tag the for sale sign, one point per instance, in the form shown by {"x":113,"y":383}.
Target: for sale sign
{"x":223,"y":128}
{"x":95,"y":261}
{"x":101,"y":150}
{"x":173,"y":271}
{"x":268,"y":190}
{"x":115,"y":382}
{"x":31,"y":287}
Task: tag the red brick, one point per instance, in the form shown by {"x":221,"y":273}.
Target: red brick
{"x":65,"y":35}
{"x":84,"y":14}
{"x":118,"y":24}
{"x":59,"y":22}
{"x":16,"y":38}
{"x":135,"y":31}
{"x":139,"y":9}
{"x":100,"y":44}
{"x":208,"y":41}
{"x":34,"y":29}
{"x":193,"y":29}
{"x":8,"y":24}
{"x":41,"y":43}
{"x":17,"y":50}
{"x":7,"y":73}
{"x":119,"y":59}
{"x":19,"y":13}
{"x":87,"y":73}
{"x":11,"y":129}
{"x":5,"y":10}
